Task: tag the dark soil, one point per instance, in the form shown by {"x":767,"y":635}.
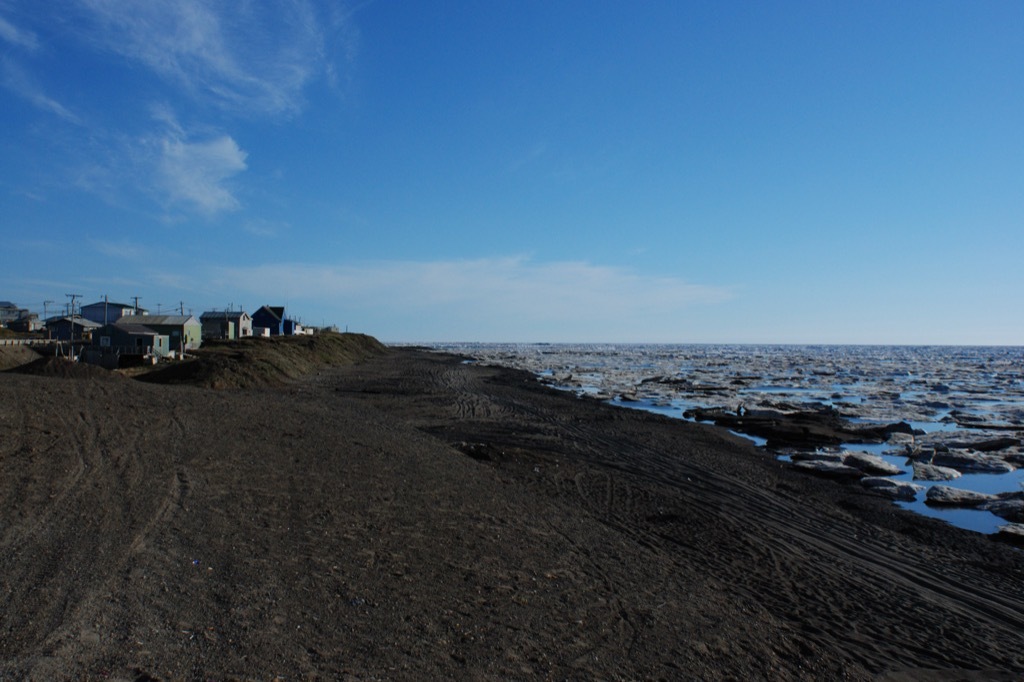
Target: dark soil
{"x":410,"y":516}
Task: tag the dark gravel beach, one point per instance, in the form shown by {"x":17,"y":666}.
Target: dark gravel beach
{"x":411,"y":516}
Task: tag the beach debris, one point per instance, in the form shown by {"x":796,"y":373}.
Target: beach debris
{"x":897,"y":490}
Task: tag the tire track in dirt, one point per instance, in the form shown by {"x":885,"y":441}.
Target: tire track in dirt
{"x":873,"y":569}
{"x":877,"y":571}
{"x":102,"y":473}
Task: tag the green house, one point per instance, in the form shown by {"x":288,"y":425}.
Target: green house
{"x":184,"y":331}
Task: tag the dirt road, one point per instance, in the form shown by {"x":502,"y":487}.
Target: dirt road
{"x":415,"y":517}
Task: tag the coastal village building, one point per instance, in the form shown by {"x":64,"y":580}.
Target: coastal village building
{"x":124,"y":339}
{"x":107,"y":312}
{"x":226,"y":324}
{"x":68,"y":329}
{"x":8,"y":313}
{"x":27,"y":323}
{"x":184,"y":331}
{"x":273,"y":319}
{"x":270,"y":318}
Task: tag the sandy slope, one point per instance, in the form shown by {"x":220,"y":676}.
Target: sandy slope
{"x":412,"y":517}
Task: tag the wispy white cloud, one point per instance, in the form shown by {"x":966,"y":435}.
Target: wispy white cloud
{"x":260,"y":227}
{"x":194,"y":173}
{"x":18,"y":37}
{"x":184,"y":171}
{"x":529,"y":156}
{"x":15,"y":78}
{"x":253,"y":56}
{"x":120,"y":249}
{"x":499,"y":298}
{"x":249,"y":59}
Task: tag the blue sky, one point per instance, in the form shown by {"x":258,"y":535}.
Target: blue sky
{"x":811,"y":172}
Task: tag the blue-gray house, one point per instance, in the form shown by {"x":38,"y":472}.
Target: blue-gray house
{"x":270,"y":317}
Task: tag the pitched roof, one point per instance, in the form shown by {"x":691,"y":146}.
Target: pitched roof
{"x":81,"y":321}
{"x":137,"y":329}
{"x":276,"y":311}
{"x":233,"y":315}
{"x":150,"y":320}
{"x":111,"y":304}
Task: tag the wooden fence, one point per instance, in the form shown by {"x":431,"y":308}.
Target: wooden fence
{"x":24,"y":342}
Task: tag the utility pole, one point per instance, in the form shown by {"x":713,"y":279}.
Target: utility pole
{"x":71,"y":331}
{"x":106,"y":303}
{"x":46,"y":318}
{"x":182,"y":305}
{"x":135,"y":311}
{"x":72,"y":305}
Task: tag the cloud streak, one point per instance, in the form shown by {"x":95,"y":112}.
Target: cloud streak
{"x":123,"y":249}
{"x":17,"y":80}
{"x":18,"y":37}
{"x":194,"y":173}
{"x":247,"y":57}
{"x":487,"y":298}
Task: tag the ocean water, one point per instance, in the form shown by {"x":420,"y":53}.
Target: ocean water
{"x":953,"y":394}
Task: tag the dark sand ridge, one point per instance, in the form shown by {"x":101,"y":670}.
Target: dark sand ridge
{"x":408,"y":516}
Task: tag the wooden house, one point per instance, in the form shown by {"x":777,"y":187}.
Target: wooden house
{"x":108,"y":312}
{"x":226,"y":324}
{"x":270,"y":317}
{"x":129,"y":339}
{"x":184,"y":331}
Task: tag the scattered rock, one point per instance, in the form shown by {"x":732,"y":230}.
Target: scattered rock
{"x":967,"y":462}
{"x":931,"y":472}
{"x":947,"y":496}
{"x":828,"y":469}
{"x":1017,"y":459}
{"x":812,"y":426}
{"x":1012,"y":533}
{"x":991,"y":445}
{"x":705,"y":414}
{"x":1009,"y":509}
{"x":870,"y":464}
{"x":817,"y":456}
{"x":897,"y":490}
